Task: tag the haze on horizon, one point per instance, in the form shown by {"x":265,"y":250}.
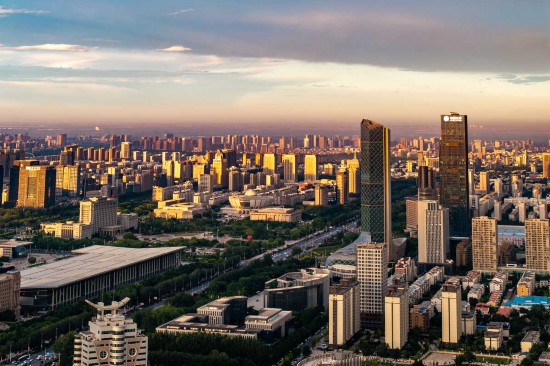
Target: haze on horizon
{"x":291,"y":62}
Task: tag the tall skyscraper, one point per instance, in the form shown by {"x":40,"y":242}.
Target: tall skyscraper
{"x":433,"y":232}
{"x":126,"y":150}
{"x":484,"y":182}
{"x":372,"y":264}
{"x":537,"y":244}
{"x":376,"y":182}
{"x":289,"y":168}
{"x":546,"y":165}
{"x":321,"y":195}
{"x":451,"y":311}
{"x":219,"y":170}
{"x":344,"y":316}
{"x":354,"y":175}
{"x":453,"y":172}
{"x":426,"y":184}
{"x":36,"y":185}
{"x":396,"y":319}
{"x":484,"y":244}
{"x":342,"y":185}
{"x":61,"y":140}
{"x":310,"y":168}
{"x":112,"y":339}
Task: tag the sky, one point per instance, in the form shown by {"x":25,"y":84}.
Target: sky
{"x":284,"y":62}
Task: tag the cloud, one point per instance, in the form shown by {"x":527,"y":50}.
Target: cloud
{"x":5,"y":12}
{"x":48,"y":47}
{"x":524,"y":80}
{"x":176,"y":48}
{"x":182,"y":11}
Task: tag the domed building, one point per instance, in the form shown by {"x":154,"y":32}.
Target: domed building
{"x":250,"y":200}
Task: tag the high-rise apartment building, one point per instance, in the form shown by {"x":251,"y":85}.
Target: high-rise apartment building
{"x":376,"y":182}
{"x":342,"y":196}
{"x":546,"y":165}
{"x":344,"y":315}
{"x":484,"y":244}
{"x":289,"y":168}
{"x":270,"y":163}
{"x":433,"y":232}
{"x":61,"y":140}
{"x":310,"y":168}
{"x":99,"y":212}
{"x":126,"y":150}
{"x":36,"y":185}
{"x":451,"y":311}
{"x":321,"y":195}
{"x":372,"y":264}
{"x":484,"y":182}
{"x":396,"y":317}
{"x":112,"y":339}
{"x":453,"y":172}
{"x":537,"y":244}
{"x":219,"y":170}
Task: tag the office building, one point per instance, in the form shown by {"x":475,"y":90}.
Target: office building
{"x":91,"y":272}
{"x":426,"y":184}
{"x":376,"y":183}
{"x":279,"y":214}
{"x":10,"y":283}
{"x":537,"y":244}
{"x":546,"y":165}
{"x":344,"y":319}
{"x":342,"y":187}
{"x":112,"y":339}
{"x":412,"y":213}
{"x":433,"y":232}
{"x":298,"y":290}
{"x":226,"y":310}
{"x":396,"y":317}
{"x":310,"y":168}
{"x":451,"y":311}
{"x":36,"y":188}
{"x":453,"y":172}
{"x":98,"y":212}
{"x":484,"y":244}
{"x":372,"y":265}
{"x":289,"y":168}
{"x":484,"y":182}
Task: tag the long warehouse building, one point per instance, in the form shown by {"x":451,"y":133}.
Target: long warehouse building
{"x":91,"y":272}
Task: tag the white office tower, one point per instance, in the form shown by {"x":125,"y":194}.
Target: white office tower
{"x":112,"y":339}
{"x":433,"y":232}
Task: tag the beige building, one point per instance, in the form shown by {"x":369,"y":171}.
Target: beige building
{"x":98,"y":212}
{"x":342,"y":186}
{"x":9,"y":292}
{"x":178,"y":210}
{"x":433,"y":232}
{"x":372,"y":265}
{"x":451,"y":311}
{"x":537,"y":244}
{"x":531,"y":338}
{"x":279,"y":214}
{"x":546,"y":165}
{"x":484,"y":244}
{"x":126,"y":150}
{"x":321,"y":195}
{"x":344,"y":318}
{"x":289,"y":168}
{"x":112,"y":339}
{"x":67,"y":230}
{"x":354,"y":175}
{"x":396,"y":317}
{"x":270,"y":163}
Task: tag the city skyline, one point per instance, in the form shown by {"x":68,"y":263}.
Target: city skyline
{"x":197,"y":63}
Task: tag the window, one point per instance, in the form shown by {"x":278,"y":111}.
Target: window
{"x":132,"y":352}
{"x":103,"y":355}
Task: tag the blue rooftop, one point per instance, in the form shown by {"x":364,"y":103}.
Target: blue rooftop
{"x":527,"y":301}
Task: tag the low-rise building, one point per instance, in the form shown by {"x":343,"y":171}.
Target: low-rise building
{"x":476,"y":292}
{"x":526,"y":284}
{"x":421,"y":314}
{"x":498,"y":282}
{"x":407,"y":268}
{"x":469,"y":322}
{"x":545,"y":357}
{"x":67,"y":230}
{"x":531,"y":338}
{"x":492,"y":340}
{"x":279,"y":214}
{"x":180,"y":211}
{"x":472,"y":278}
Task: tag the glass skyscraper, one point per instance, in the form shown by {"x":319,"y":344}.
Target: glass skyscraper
{"x":453,"y":172}
{"x":375,"y":182}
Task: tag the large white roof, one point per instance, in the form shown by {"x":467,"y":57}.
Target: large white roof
{"x":89,"y":262}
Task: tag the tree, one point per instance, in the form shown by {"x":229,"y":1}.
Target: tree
{"x":32,"y":260}
{"x":64,"y":346}
{"x":129,"y":236}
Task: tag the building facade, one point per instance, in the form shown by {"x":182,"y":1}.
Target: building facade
{"x":451,"y":311}
{"x":344,"y":319}
{"x":537,"y":244}
{"x":372,"y":264}
{"x":9,"y":292}
{"x":433,"y":232}
{"x":484,"y":244}
{"x":36,"y":187}
{"x":99,"y":212}
{"x":396,"y":317}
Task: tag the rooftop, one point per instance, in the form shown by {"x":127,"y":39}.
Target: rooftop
{"x":91,"y":261}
